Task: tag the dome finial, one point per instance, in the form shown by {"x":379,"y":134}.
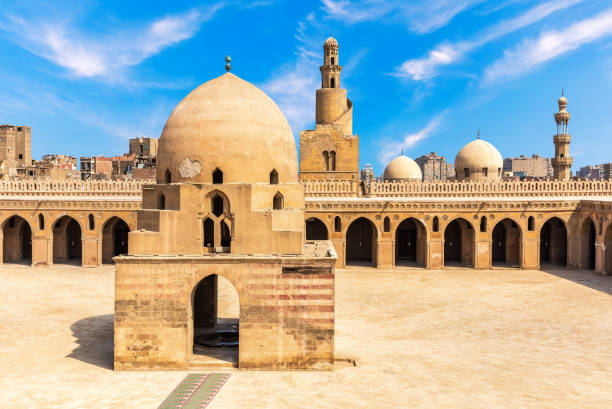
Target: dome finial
{"x":228,"y":67}
{"x":478,"y":134}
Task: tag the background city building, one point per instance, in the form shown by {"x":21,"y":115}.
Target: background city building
{"x":15,"y":150}
{"x":534,"y":166}
{"x":435,"y":167}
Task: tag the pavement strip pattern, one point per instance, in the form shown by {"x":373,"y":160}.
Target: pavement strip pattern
{"x":195,"y":392}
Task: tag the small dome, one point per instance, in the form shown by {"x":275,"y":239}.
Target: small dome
{"x":481,"y":158}
{"x":229,"y":124}
{"x":330,"y":42}
{"x":403,"y":168}
{"x":562,"y":101}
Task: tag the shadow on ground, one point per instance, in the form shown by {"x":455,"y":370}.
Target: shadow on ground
{"x":583,"y":277}
{"x":95,"y":338}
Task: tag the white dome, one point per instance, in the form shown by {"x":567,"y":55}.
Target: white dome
{"x":403,"y":168}
{"x":481,"y":158}
{"x":230,"y":124}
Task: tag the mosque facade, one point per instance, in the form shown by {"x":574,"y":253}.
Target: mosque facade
{"x":231,"y":201}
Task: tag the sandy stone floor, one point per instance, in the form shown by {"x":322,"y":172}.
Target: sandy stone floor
{"x":424,"y":339}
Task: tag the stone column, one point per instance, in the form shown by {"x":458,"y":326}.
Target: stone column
{"x":530,"y":254}
{"x":42,"y":252}
{"x":600,"y":256}
{"x":482,"y":256}
{"x":572,"y":260}
{"x":435,"y":248}
{"x":89,"y":252}
{"x":384,"y":253}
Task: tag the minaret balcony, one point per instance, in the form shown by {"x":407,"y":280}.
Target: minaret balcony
{"x":565,"y":161}
{"x":562,"y":138}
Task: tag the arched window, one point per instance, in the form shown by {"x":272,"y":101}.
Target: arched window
{"x":326,"y":158}
{"x":41,"y":222}
{"x":161,"y":201}
{"x":332,"y":61}
{"x":277,"y":202}
{"x":332,"y":83}
{"x":217,"y":205}
{"x":168,"y":176}
{"x":337,"y":224}
{"x":226,"y":237}
{"x":466,"y":172}
{"x":483,"y":224}
{"x":332,"y":157}
{"x":217,"y":177}
{"x":209,"y":233}
{"x":435,"y":224}
{"x":91,"y":222}
{"x":274,"y":177}
{"x":386,"y":225}
{"x":531,"y":223}
{"x":485,"y":171}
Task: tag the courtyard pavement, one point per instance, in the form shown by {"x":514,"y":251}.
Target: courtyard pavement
{"x":455,"y":338}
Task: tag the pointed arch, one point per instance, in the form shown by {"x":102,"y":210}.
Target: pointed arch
{"x":337,"y":224}
{"x":315,"y":229}
{"x":168,"y":176}
{"x":553,"y":243}
{"x":17,"y":244}
{"x":531,"y":223}
{"x":587,"y":240}
{"x":435,"y":224}
{"x":91,"y":221}
{"x":67,"y":240}
{"x":386,"y":225}
{"x":411,"y":243}
{"x":274,"y":177}
{"x":161,"y":201}
{"x":277,"y":201}
{"x":361,"y":242}
{"x":483,"y":224}
{"x":506,"y":243}
{"x":208,"y":233}
{"x":217,"y":177}
{"x":41,"y":222}
{"x":459,"y":243}
{"x":114,"y":238}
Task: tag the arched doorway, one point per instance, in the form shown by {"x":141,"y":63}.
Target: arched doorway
{"x":506,"y":244}
{"x":17,"y":245}
{"x":114,"y":239}
{"x":216,"y":321}
{"x":608,"y":253}
{"x":587,"y":234}
{"x":361,"y":240}
{"x":410,"y":243}
{"x":315,"y":229}
{"x":459,"y":244}
{"x":553,"y":243}
{"x":67,"y":241}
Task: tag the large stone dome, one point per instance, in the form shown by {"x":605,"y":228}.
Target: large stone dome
{"x":402,"y":168}
{"x":229,"y":124}
{"x":482,"y":160}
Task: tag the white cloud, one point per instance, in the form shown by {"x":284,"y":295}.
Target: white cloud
{"x":550,"y":44}
{"x":393,"y":149}
{"x":87,"y":54}
{"x":420,"y":16}
{"x":427,"y":67}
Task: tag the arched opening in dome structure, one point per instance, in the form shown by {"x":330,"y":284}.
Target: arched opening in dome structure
{"x":608,"y":253}
{"x":332,"y":159}
{"x":41,"y":222}
{"x":315,"y":229}
{"x":410,"y":243}
{"x":274,"y":177}
{"x":216,"y":320}
{"x":161,"y":202}
{"x":17,"y":244}
{"x":361,"y":242}
{"x":217,"y":177}
{"x":386,"y":225}
{"x":217,"y":205}
{"x":226,"y":236}
{"x":114,"y":239}
{"x":506,"y":244}
{"x":168,"y":176}
{"x":208,"y":227}
{"x":483,"y":224}
{"x":67,"y":241}
{"x":485,"y":172}
{"x":337,"y":224}
{"x":531,"y":223}
{"x":587,"y":239}
{"x":459,"y":244}
{"x":277,"y":201}
{"x":91,"y":221}
{"x":553,"y":243}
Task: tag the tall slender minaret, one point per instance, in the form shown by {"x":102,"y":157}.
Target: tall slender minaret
{"x":333,"y":106}
{"x":562,"y":162}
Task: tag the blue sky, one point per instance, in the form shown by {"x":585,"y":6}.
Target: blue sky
{"x":89,"y":75}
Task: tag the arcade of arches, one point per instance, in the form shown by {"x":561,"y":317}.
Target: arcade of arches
{"x":60,"y":237}
{"x":529,"y":240}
